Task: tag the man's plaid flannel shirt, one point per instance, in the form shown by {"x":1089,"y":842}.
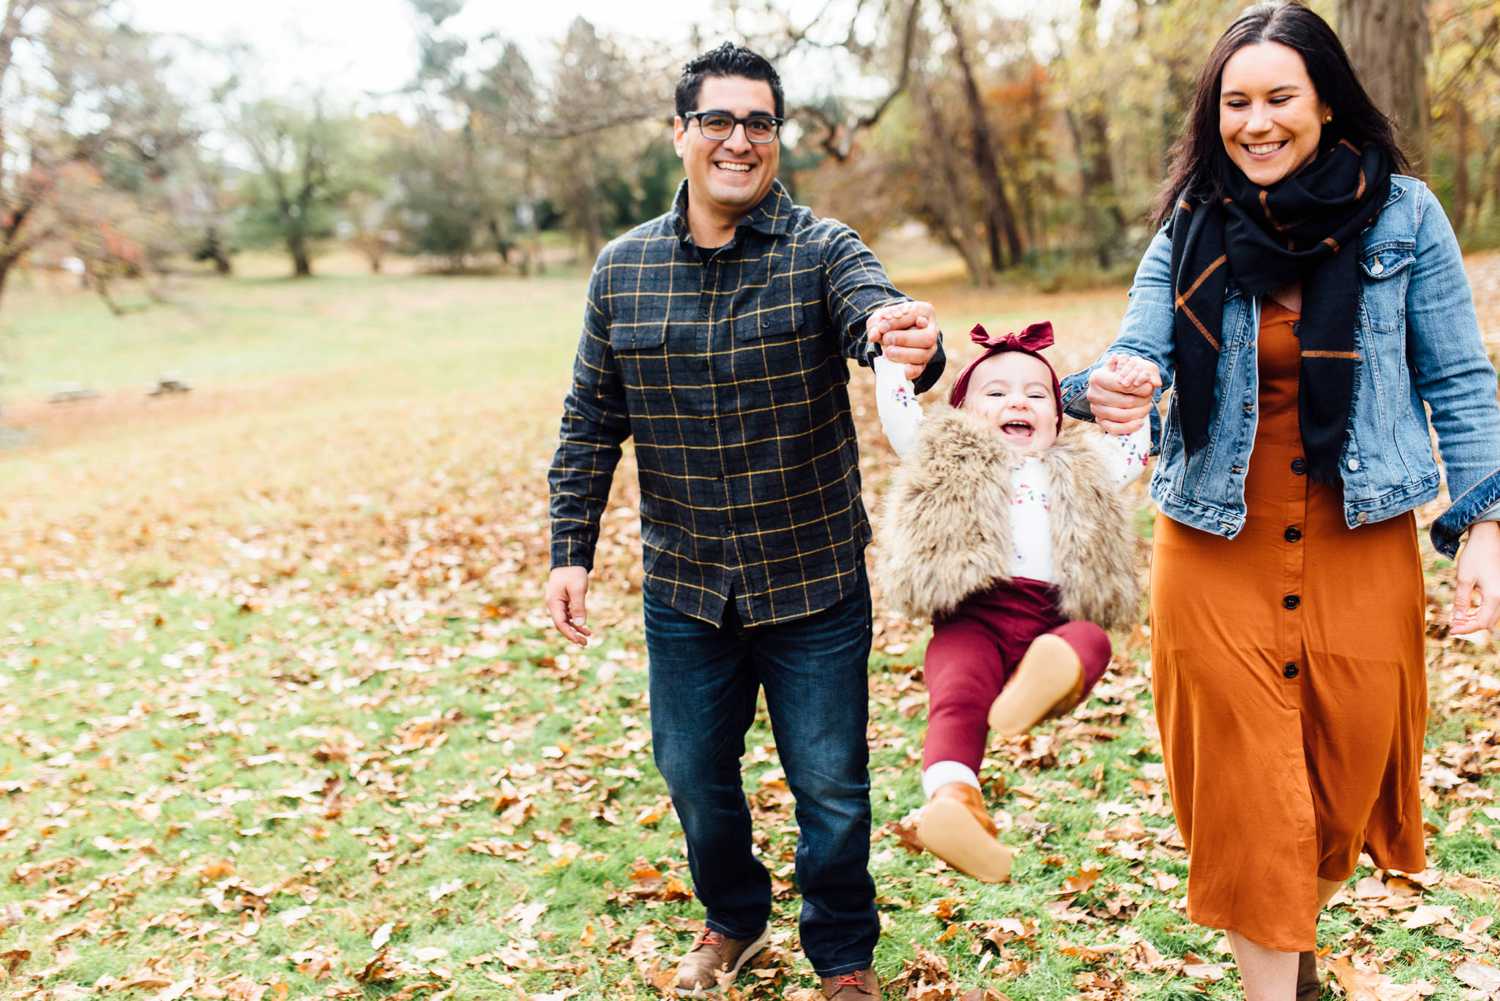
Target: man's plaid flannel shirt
{"x":728,"y":368}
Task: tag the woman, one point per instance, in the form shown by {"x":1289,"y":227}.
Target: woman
{"x":1307,"y":301}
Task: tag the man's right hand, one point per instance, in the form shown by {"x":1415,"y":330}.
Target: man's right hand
{"x":566,"y":587}
{"x":1120,"y":400}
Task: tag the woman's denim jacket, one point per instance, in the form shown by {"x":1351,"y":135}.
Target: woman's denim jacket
{"x":1418,"y":342}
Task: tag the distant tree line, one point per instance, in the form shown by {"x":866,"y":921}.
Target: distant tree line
{"x":1017,"y":141}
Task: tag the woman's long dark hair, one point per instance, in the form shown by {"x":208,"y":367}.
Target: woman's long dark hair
{"x":1198,"y":161}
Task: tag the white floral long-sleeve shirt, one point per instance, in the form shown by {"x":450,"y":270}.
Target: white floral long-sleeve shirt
{"x":1124,"y":458}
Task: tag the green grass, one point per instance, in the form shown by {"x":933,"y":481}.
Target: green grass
{"x":273,"y":677}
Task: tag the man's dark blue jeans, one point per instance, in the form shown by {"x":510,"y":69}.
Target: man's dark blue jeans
{"x":704,"y":685}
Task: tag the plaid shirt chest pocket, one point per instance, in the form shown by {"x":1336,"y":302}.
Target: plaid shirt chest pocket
{"x":778,"y":290}
{"x":779,"y":329}
{"x":643,"y":360}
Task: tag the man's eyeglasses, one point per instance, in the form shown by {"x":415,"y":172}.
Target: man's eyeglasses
{"x":719,"y":125}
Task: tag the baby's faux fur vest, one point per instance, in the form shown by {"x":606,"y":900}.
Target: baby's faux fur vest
{"x":945,"y":529}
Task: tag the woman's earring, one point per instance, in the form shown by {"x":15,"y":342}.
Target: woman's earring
{"x":1327,"y":119}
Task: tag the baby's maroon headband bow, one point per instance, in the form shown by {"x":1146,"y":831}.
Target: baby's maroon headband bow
{"x":1030,"y":341}
{"x":1033,"y":338}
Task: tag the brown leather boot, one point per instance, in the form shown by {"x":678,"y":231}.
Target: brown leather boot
{"x":955,"y":827}
{"x":1048,"y":682}
{"x":715,"y":959}
{"x":1309,"y":988}
{"x":861,"y":985}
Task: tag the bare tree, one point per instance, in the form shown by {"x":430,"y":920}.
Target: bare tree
{"x":21,"y":189}
{"x":83,"y":113}
{"x":1088,"y":123}
{"x":838,"y":31}
{"x":999,"y":219}
{"x":300,"y":156}
{"x":942,"y":212}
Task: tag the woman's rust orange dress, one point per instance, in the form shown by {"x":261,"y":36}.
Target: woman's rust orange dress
{"x":1290,"y":684}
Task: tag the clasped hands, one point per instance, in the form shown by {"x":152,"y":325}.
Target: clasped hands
{"x":907,"y":333}
{"x":1120,"y":393}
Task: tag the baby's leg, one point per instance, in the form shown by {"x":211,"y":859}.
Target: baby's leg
{"x":1060,"y":668}
{"x":964,"y":673}
{"x":1091,"y":644}
{"x":964,"y":670}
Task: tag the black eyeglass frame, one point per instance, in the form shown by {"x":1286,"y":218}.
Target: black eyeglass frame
{"x":776,"y":124}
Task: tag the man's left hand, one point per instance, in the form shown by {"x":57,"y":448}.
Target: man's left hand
{"x":907,"y":333}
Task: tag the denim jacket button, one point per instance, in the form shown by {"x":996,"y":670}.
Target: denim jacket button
{"x":1377,"y":267}
{"x":1353,"y":465}
{"x":1361,"y":518}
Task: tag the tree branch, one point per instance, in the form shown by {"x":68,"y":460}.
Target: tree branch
{"x":838,"y":137}
{"x":555,"y":131}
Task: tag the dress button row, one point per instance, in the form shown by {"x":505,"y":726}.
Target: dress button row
{"x":1299,"y":465}
{"x":1290,"y":670}
{"x":1291,"y":601}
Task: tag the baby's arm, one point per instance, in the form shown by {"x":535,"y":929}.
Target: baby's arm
{"x":1126,"y":455}
{"x":896,"y":402}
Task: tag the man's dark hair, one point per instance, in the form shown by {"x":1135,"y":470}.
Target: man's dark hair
{"x":727,"y":60}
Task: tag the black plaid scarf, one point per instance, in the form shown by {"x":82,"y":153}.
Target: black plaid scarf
{"x":1304,"y":228}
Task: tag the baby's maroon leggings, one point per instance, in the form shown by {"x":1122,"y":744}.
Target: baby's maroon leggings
{"x":974,"y":652}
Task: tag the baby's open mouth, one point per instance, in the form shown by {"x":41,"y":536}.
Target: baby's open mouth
{"x":1017,"y":430}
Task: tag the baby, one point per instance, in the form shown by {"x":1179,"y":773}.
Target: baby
{"x":1010,"y":532}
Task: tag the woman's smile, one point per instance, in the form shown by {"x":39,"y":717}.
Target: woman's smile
{"x":1264,"y":151}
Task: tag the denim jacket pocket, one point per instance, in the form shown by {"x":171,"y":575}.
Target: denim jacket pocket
{"x":1384,"y":271}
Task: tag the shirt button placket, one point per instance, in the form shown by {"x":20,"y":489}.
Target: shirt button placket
{"x":707,"y":301}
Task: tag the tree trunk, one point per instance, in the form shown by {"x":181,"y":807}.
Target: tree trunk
{"x":1388,"y":42}
{"x":1495,"y":182}
{"x":5,"y":266}
{"x":503,"y":244}
{"x":947,"y":205}
{"x":1090,"y":129}
{"x":1460,"y":166}
{"x":296,"y":245}
{"x":213,"y":247}
{"x":999,"y":220}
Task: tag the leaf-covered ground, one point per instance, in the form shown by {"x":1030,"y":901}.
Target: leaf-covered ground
{"x":280,"y":716}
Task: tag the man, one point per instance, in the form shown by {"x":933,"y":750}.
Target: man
{"x":717,"y":335}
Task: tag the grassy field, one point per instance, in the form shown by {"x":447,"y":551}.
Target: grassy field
{"x":280,"y":716}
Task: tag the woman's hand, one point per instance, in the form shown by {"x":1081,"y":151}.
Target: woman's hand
{"x":1476,"y":606}
{"x":1120,"y":393}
